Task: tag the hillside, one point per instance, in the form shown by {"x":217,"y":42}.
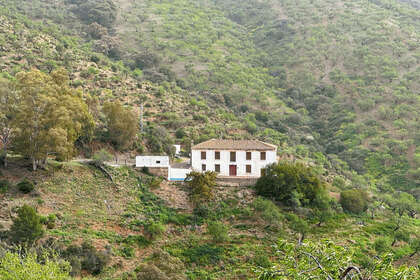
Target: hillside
{"x":116,"y":217}
{"x":333,"y":84}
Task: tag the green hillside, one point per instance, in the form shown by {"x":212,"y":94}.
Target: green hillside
{"x":334,"y":84}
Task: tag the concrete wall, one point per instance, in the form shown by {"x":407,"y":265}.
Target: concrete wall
{"x":241,"y":162}
{"x":152,"y":161}
{"x":178,"y":174}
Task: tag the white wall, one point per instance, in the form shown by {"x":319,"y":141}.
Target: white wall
{"x":178,"y":174}
{"x":152,"y":161}
{"x":177,"y":149}
{"x":241,"y":162}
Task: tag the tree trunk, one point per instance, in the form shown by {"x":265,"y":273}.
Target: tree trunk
{"x":393,"y":242}
{"x":34,"y":165}
{"x":5,"y":156}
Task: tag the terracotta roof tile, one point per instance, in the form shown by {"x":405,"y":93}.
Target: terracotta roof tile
{"x":226,"y":144}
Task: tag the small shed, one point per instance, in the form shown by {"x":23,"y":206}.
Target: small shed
{"x":152,"y":161}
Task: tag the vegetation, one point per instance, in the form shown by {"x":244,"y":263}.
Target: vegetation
{"x":293,"y":184}
{"x":201,"y":186}
{"x":328,"y":261}
{"x":354,"y":201}
{"x":15,"y":266}
{"x":27,"y":227}
{"x":333,"y":84}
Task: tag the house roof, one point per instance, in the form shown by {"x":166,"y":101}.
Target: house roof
{"x":227,"y":144}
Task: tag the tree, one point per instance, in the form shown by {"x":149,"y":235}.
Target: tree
{"x":50,"y":117}
{"x":326,"y":260}
{"x":15,"y":266}
{"x":201,"y":185}
{"x":27,"y":227}
{"x":292,"y":183}
{"x":8,"y":100}
{"x":354,"y":201}
{"x":121,"y":124}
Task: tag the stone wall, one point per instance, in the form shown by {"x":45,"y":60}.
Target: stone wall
{"x":159,"y":171}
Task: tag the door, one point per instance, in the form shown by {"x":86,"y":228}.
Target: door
{"x":232,"y":170}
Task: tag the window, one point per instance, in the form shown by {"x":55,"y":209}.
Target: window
{"x":233,"y":156}
{"x":203,"y":167}
{"x":158,"y":161}
{"x":263,"y":156}
{"x":248,"y":168}
{"x":203,"y":155}
{"x":217,"y":168}
{"x":248,"y":155}
{"x":216,"y":155}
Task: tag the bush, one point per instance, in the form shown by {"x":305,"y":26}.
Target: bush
{"x":49,"y":221}
{"x":382,"y":245}
{"x":27,"y":227}
{"x":268,"y":210}
{"x":4,"y":186}
{"x":91,"y":260}
{"x":218,"y":231}
{"x":354,"y":201}
{"x":201,"y":185}
{"x":292,"y":183}
{"x":162,"y":266}
{"x":154,"y":230}
{"x":26,"y":186}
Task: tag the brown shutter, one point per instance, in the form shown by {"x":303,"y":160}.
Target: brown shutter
{"x":263,"y":156}
{"x":248,"y":168}
{"x":233,"y":156}
{"x":217,"y":168}
{"x":216,"y":155}
{"x":248,"y":155}
{"x":203,"y":155}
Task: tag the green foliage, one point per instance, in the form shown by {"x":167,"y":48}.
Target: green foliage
{"x":201,"y":186}
{"x":50,"y":116}
{"x":218,"y":231}
{"x":4,"y":185}
{"x":292,"y":183}
{"x":382,"y":245}
{"x":268,"y":210}
{"x":121,"y":124}
{"x":154,"y":230}
{"x":26,"y":227}
{"x":326,"y":260}
{"x":102,"y":12}
{"x":354,"y":201}
{"x":161,"y":266}
{"x":26,"y":186}
{"x":86,"y":257}
{"x":15,"y":266}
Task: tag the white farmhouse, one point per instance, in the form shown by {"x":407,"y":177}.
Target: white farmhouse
{"x":233,"y":157}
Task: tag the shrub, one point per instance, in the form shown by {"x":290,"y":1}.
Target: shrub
{"x":127,"y":251}
{"x":49,"y":221}
{"x":292,"y":183}
{"x":91,"y":260}
{"x":162,"y":266}
{"x":382,"y":245}
{"x":201,"y":185}
{"x":218,"y":231}
{"x":27,"y":227}
{"x":4,"y":186}
{"x":154,"y":230}
{"x":26,"y":186}
{"x":155,"y":183}
{"x":268,"y":210}
{"x":354,"y":201}
{"x":262,"y":260}
{"x":28,"y":266}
